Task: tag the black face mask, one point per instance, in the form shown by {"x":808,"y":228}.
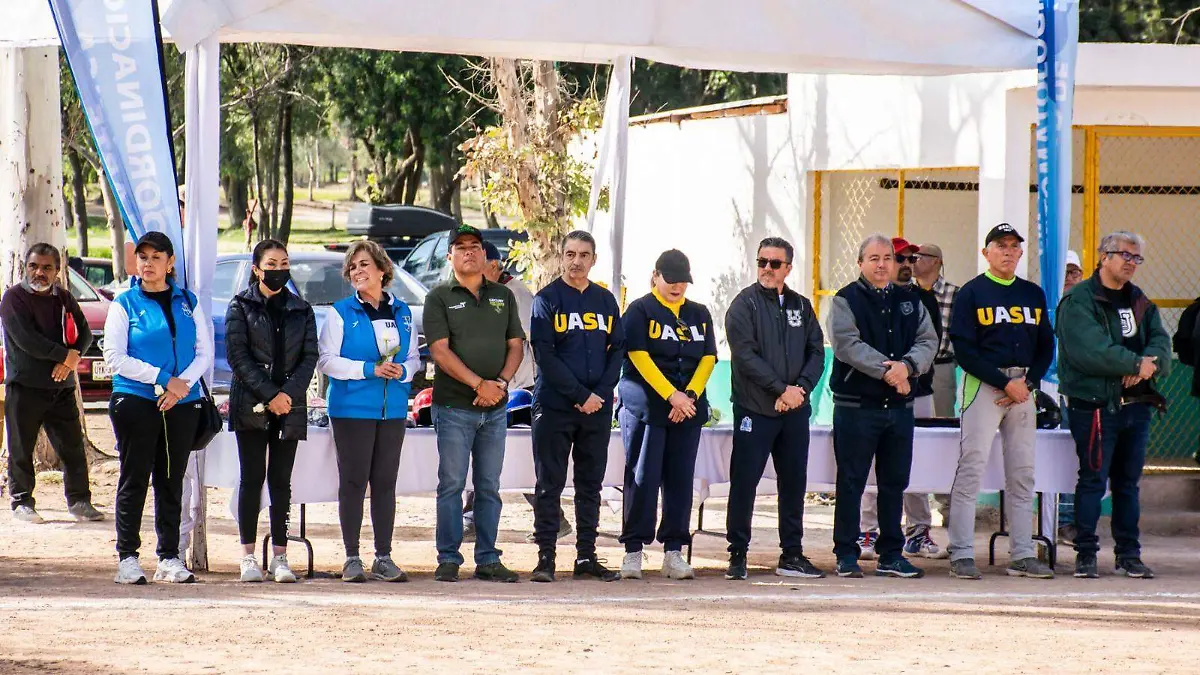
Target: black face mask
{"x":275,"y":279}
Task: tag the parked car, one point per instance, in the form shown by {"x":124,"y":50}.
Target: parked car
{"x":316,"y":277}
{"x":428,"y":262}
{"x":97,"y":271}
{"x":95,"y":378}
{"x":395,"y":227}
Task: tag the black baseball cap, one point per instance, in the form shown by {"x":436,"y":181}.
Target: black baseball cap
{"x":491,"y":251}
{"x":674,"y":267}
{"x":1001,"y":231}
{"x":157,"y":241}
{"x":464,"y":231}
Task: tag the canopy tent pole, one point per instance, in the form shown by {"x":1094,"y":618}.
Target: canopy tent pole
{"x":202,"y":140}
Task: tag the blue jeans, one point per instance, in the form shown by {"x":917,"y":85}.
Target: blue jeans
{"x":859,"y":436}
{"x":657,"y":459}
{"x":1111,"y":455}
{"x":467,"y":438}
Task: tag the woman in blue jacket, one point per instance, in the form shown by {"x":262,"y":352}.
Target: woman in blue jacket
{"x":158,"y":342}
{"x":368,"y":351}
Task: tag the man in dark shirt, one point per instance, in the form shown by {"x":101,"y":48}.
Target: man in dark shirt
{"x":579,"y":345}
{"x":474,"y":333}
{"x":1004,"y":343}
{"x":45,"y":332}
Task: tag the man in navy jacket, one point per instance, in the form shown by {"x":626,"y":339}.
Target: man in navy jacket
{"x":578,"y":345}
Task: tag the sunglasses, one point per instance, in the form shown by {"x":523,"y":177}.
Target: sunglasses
{"x":1128,"y":257}
{"x":773,"y":264}
{"x":908,"y":258}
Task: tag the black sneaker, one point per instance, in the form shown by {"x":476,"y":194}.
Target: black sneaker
{"x":544,"y":572}
{"x":496,"y":572}
{"x":1133,"y":568}
{"x":1085,"y":566}
{"x":594,"y":568}
{"x":737,"y":566}
{"x":797,"y":566}
{"x":446,"y":571}
{"x":900,"y":567}
{"x":849,"y":569}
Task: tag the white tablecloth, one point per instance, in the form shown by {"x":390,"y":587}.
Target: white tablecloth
{"x":935,"y":457}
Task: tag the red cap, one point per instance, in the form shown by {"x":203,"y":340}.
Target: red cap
{"x":900,"y":245}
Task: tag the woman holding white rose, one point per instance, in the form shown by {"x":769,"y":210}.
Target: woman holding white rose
{"x":369,"y":353}
{"x":158,"y":343}
{"x":271,"y":345}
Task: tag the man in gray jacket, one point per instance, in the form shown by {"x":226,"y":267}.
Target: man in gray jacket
{"x":778,"y":354}
{"x":883,"y":338}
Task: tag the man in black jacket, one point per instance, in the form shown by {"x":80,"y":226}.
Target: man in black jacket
{"x":883,"y":339}
{"x":45,"y":332}
{"x":778,"y":353}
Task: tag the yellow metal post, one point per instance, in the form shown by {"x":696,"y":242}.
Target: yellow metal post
{"x":816,"y":240}
{"x":1091,"y":197}
{"x":900,"y":203}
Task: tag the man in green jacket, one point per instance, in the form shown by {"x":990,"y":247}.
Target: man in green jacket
{"x":1112,"y":349}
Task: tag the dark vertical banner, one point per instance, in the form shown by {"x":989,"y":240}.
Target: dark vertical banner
{"x":114,"y":50}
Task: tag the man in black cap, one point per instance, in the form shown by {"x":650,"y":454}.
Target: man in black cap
{"x":474,"y":333}
{"x":45,"y":332}
{"x":1004,"y":343}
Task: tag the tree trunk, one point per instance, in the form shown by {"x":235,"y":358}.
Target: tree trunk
{"x":289,"y":183}
{"x":312,"y":174}
{"x":412,"y":183}
{"x":276,"y":158}
{"x":261,"y":201}
{"x":354,"y":176}
{"x":78,"y":197}
{"x":237,"y":193}
{"x":116,"y":227}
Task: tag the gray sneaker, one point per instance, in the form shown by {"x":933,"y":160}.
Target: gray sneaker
{"x":384,"y":569}
{"x":85,"y":511}
{"x":964,"y":569}
{"x":26,"y":514}
{"x":352,"y":570}
{"x":1030,"y":567}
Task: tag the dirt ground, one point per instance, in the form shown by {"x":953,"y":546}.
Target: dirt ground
{"x":61,"y":613}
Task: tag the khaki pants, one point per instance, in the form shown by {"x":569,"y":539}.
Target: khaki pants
{"x":981,"y":418}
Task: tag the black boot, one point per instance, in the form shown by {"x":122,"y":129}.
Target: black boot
{"x":544,"y":572}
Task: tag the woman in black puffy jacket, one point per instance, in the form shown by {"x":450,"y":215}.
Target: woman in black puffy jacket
{"x":271,"y":345}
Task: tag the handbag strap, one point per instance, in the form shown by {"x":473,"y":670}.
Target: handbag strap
{"x":192,"y":306}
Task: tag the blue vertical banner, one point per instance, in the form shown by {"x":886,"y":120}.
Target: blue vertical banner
{"x":1057,"y":46}
{"x":114,"y":50}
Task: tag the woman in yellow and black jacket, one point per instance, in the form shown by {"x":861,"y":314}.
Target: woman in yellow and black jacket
{"x":671,"y":353}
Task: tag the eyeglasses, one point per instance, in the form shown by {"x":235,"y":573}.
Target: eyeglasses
{"x":772,"y":263}
{"x":1128,"y":257}
{"x":908,"y":258}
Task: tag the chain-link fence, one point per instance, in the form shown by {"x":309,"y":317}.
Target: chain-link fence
{"x":938,"y":206}
{"x":1149,"y":183}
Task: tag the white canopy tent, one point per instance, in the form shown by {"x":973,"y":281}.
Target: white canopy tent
{"x":915,"y":37}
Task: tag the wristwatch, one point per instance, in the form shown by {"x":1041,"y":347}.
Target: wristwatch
{"x":691,"y":394}
{"x":501,"y":379}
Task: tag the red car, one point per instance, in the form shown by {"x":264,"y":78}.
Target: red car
{"x":95,"y":379}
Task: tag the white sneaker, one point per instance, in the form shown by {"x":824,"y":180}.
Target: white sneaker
{"x":251,"y":572}
{"x":173,"y":571}
{"x":129,"y":571}
{"x":631,"y":566}
{"x":280,"y":570}
{"x":675,"y":567}
{"x":26,"y":514}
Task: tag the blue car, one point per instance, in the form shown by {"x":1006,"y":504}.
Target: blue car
{"x":316,"y":277}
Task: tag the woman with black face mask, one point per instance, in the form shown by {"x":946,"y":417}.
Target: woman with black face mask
{"x":271,"y":344}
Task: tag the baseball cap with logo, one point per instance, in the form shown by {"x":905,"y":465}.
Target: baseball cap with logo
{"x":900,"y":244}
{"x":1001,"y":231}
{"x":464,"y":230}
{"x":674,"y":267}
{"x":157,"y":241}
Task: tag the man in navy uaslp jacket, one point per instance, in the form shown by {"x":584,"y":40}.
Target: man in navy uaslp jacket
{"x":578,"y":345}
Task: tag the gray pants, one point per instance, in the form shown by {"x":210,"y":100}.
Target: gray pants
{"x":916,"y":506}
{"x":945,"y":389}
{"x":981,"y":418}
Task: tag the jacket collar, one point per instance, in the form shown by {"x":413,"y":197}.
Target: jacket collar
{"x":136,"y":282}
{"x":870,"y":288}
{"x":254,"y":294}
{"x":787,"y":292}
{"x":1096,"y":288}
